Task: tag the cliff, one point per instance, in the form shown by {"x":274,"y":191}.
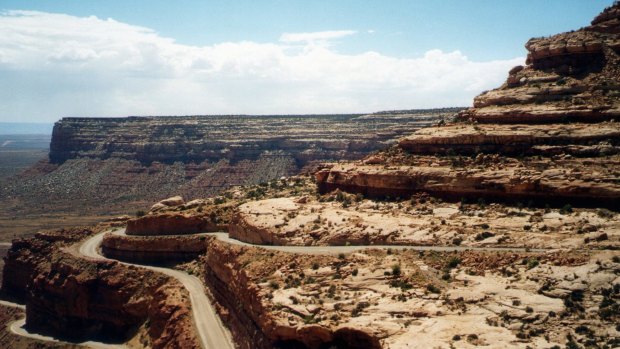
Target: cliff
{"x":546,"y":136}
{"x":73,"y":297}
{"x":569,"y":76}
{"x":234,"y":138}
{"x":104,"y":166}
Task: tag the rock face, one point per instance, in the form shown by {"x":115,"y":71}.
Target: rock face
{"x":508,"y":153}
{"x":112,"y":165}
{"x":234,"y":138}
{"x":512,"y":181}
{"x":251,"y":315}
{"x":467,"y":139}
{"x":171,"y":224}
{"x":141,"y":249}
{"x":570,"y":76}
{"x":73,"y":297}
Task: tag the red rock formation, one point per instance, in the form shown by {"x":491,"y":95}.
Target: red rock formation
{"x":171,"y":223}
{"x":569,"y":76}
{"x":70,"y":296}
{"x":254,"y":325}
{"x":240,"y":229}
{"x":573,"y":139}
{"x":153,"y":249}
{"x":510,"y":182}
{"x":26,"y":255}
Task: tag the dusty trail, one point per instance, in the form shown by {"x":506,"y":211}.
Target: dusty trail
{"x":212,"y":332}
{"x":18,"y":328}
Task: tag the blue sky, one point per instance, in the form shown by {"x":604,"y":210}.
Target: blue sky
{"x":205,"y":57}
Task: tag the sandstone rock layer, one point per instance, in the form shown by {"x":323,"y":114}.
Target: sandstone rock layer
{"x":521,"y":142}
{"x":141,"y":249}
{"x":569,"y":77}
{"x":69,"y":296}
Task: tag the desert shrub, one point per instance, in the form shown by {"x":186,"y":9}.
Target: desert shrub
{"x":483,"y":235}
{"x":604,"y":213}
{"x":140,"y":213}
{"x":566,"y":209}
{"x":359,"y":308}
{"x":402,"y":284}
{"x":531,"y":262}
{"x":396,"y":270}
{"x":453,"y":262}
{"x":432,"y":288}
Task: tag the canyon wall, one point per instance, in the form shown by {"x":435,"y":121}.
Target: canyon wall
{"x":251,"y":314}
{"x":234,"y":138}
{"x":70,"y":296}
{"x":570,"y":76}
{"x":549,"y":135}
{"x":107,"y":166}
{"x":161,"y":249}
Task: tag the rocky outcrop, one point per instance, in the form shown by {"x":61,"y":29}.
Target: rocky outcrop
{"x":169,"y":202}
{"x":514,"y":181}
{"x":519,"y":142}
{"x":242,"y":229}
{"x":251,"y":315}
{"x":140,"y":249}
{"x":171,"y":223}
{"x":26,"y":255}
{"x":570,"y":76}
{"x":72,"y":297}
{"x":199,"y":138}
{"x":468,"y":139}
{"x":102,"y":166}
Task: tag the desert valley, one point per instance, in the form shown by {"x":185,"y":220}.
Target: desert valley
{"x":494,"y":226}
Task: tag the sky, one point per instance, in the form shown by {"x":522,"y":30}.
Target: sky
{"x":118,"y":58}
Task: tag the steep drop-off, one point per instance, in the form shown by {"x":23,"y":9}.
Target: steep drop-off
{"x":70,"y":296}
{"x":105,"y":166}
{"x":234,"y":138}
{"x":547,"y":135}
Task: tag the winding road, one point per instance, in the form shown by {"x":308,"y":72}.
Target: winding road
{"x":18,"y":327}
{"x":211,"y":331}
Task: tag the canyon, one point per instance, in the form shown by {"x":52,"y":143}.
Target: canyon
{"x":101,"y":167}
{"x":498,"y":228}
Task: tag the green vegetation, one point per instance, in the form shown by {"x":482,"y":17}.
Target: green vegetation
{"x":396,"y":270}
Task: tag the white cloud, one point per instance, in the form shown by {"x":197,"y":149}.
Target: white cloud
{"x":54,"y":65}
{"x":316,"y":36}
